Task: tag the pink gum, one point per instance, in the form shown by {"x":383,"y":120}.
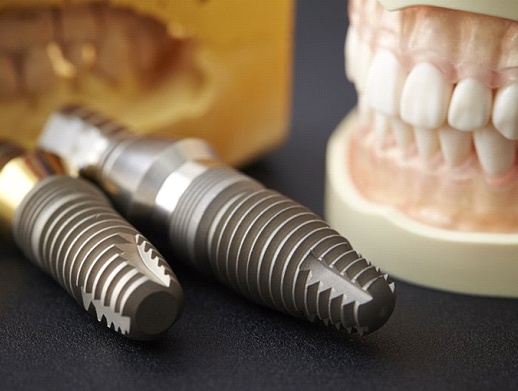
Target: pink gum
{"x":462,"y":199}
{"x":460,"y":44}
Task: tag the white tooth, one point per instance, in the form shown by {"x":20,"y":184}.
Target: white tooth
{"x":470,"y":105}
{"x":495,"y":153}
{"x":455,"y":145}
{"x":381,"y":125}
{"x":351,"y":50}
{"x":505,"y":111}
{"x":425,"y":97}
{"x":384,"y":83}
{"x":427,"y":142}
{"x":402,"y":133}
{"x":364,"y":63}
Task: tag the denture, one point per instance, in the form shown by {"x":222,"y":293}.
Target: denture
{"x":169,"y":68}
{"x":430,"y":151}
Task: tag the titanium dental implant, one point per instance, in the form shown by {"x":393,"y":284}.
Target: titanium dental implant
{"x":255,"y":240}
{"x":68,"y":228}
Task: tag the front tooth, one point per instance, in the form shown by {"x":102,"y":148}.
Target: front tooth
{"x":505,"y":111}
{"x":455,"y":145}
{"x":427,"y":142}
{"x":470,"y":105}
{"x":8,"y":77}
{"x":495,"y":153}
{"x":385,"y":82}
{"x":425,"y":97}
{"x":364,"y":63}
{"x":351,"y":49}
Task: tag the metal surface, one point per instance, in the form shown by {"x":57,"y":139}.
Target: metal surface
{"x":68,"y":228}
{"x":262,"y":244}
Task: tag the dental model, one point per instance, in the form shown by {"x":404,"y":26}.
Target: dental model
{"x":423,"y":176}
{"x":166,"y":67}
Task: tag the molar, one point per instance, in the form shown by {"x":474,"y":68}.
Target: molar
{"x":470,"y":106}
{"x":425,"y":97}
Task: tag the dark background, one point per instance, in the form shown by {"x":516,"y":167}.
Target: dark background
{"x":434,"y":340}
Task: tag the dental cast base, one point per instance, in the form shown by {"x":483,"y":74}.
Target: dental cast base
{"x":258,"y":242}
{"x":430,"y":152}
{"x":69,"y":229}
{"x":195,"y":68}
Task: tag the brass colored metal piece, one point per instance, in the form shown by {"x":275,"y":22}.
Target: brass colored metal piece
{"x":68,"y":228}
{"x":255,"y":240}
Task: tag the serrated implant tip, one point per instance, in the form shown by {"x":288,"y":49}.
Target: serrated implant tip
{"x":344,"y":290}
{"x":152,"y":309}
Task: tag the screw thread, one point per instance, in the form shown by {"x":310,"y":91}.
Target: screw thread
{"x":280,"y":254}
{"x":68,"y":228}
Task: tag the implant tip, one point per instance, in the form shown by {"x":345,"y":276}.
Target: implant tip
{"x":375,"y":313}
{"x":153,"y":309}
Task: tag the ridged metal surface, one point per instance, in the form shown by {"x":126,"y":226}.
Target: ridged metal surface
{"x":280,"y":254}
{"x":264,"y":245}
{"x":69,"y":229}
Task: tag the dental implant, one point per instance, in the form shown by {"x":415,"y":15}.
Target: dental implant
{"x":258,"y":242}
{"x":68,"y":228}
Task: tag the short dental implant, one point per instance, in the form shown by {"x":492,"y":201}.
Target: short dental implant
{"x":255,"y":240}
{"x":68,"y":228}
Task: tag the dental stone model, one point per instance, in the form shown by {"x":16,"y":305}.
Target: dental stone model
{"x":258,"y":242}
{"x":423,"y":175}
{"x":69,"y":229}
{"x":188,"y":68}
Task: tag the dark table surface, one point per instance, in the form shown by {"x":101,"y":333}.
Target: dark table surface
{"x":434,"y":340}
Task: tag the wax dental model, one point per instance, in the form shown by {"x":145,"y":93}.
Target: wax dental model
{"x":188,"y":68}
{"x":68,"y":228}
{"x":262,"y":244}
{"x":423,"y":176}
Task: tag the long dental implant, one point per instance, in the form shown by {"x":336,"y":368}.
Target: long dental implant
{"x":68,"y":228}
{"x":255,"y":240}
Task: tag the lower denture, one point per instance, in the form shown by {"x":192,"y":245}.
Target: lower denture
{"x":436,"y":139}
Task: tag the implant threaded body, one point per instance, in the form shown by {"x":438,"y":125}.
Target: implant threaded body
{"x":257,"y":241}
{"x":277,"y":252}
{"x":68,"y":228}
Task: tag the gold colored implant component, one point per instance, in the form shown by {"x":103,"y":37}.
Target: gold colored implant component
{"x":68,"y":228}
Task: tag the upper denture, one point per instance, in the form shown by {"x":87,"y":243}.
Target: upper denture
{"x":436,"y":72}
